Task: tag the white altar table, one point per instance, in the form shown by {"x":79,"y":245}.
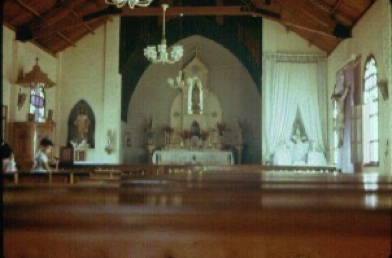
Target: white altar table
{"x":193,"y":157}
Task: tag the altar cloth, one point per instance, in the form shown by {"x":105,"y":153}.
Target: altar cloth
{"x":193,"y":157}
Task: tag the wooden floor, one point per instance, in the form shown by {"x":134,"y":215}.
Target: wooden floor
{"x":201,"y":213}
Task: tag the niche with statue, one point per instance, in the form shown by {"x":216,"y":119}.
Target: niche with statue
{"x":298,"y":149}
{"x":196,"y":110}
{"x":81,"y":126}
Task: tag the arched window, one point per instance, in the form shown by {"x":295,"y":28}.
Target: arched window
{"x":370,"y":113}
{"x":37,"y":102}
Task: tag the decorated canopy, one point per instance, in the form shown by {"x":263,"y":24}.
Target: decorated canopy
{"x":35,"y":76}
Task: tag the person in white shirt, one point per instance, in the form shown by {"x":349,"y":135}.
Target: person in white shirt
{"x":41,"y":161}
{"x":7,"y":157}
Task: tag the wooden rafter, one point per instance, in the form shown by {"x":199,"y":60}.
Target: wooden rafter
{"x":9,"y":26}
{"x":33,"y":11}
{"x":309,"y":29}
{"x":58,"y":14}
{"x":307,"y":8}
{"x":61,"y":28}
{"x":329,"y":10}
{"x":222,"y":11}
{"x":85,"y":24}
{"x":336,"y":6}
{"x":191,"y":11}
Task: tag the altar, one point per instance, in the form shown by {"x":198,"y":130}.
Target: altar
{"x":196,"y":130}
{"x":193,"y":157}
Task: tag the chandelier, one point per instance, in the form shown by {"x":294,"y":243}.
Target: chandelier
{"x":179,"y":82}
{"x":162,"y":56}
{"x":131,"y":3}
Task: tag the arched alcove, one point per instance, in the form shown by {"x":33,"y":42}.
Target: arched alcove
{"x":228,"y":79}
{"x":137,"y":34}
{"x":81,"y":107}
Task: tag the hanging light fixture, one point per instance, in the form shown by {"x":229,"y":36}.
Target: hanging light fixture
{"x":131,"y":3}
{"x":179,"y":82}
{"x":162,"y":56}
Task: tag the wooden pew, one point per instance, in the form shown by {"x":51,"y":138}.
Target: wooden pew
{"x":205,"y":214}
{"x":44,"y":178}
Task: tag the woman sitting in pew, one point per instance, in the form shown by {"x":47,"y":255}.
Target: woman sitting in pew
{"x":41,"y":160}
{"x":7,"y":157}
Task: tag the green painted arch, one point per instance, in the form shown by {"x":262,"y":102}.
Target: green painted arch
{"x":133,"y":63}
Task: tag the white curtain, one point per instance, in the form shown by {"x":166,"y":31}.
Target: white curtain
{"x":280,"y":102}
{"x":305,"y":82}
{"x":290,"y":83}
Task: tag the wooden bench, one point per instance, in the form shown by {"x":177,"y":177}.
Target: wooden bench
{"x":204,"y":214}
{"x":44,"y":178}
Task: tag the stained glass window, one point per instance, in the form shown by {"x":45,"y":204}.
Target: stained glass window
{"x":37,"y":102}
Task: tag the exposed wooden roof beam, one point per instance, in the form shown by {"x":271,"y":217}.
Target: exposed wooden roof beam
{"x":371,"y":2}
{"x":328,"y":9}
{"x":219,"y":19}
{"x":9,"y":26}
{"x":307,"y":8}
{"x":33,"y":11}
{"x":223,"y":11}
{"x":191,"y":11}
{"x":63,"y":27}
{"x":85,"y":24}
{"x":336,"y":6}
{"x":58,"y":14}
{"x":307,"y":28}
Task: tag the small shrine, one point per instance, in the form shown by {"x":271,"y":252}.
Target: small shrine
{"x":194,"y":135}
{"x":195,"y":111}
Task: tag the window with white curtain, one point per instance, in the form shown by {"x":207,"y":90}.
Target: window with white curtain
{"x":370,"y":113}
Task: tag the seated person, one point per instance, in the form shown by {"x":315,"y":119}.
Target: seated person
{"x":8,"y":158}
{"x":41,"y":161}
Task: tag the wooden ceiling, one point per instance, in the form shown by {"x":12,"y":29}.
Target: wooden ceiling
{"x":57,"y":24}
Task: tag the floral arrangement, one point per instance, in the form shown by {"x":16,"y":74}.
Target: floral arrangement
{"x":204,"y":135}
{"x":185,"y":134}
{"x":168,"y":129}
{"x":221,"y":128}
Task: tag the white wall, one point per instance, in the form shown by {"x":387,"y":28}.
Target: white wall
{"x":372,"y":35}
{"x":89,"y":71}
{"x":277,"y":39}
{"x":19,"y":58}
{"x":227,"y":78}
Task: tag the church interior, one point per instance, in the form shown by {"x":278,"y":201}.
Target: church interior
{"x":184,"y":128}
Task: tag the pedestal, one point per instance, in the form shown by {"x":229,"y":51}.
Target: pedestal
{"x":150,"y":148}
{"x":239,"y":149}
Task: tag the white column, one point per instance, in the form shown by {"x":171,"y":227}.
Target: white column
{"x":112,"y":92}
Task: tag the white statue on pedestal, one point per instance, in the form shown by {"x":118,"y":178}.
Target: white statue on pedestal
{"x":195,"y":103}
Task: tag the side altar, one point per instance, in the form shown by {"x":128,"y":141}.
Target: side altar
{"x":195,"y":133}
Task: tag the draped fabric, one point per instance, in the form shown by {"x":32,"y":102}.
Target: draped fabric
{"x":345,"y":78}
{"x":280,"y":104}
{"x":308,"y":101}
{"x":294,"y":83}
{"x":242,"y":36}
